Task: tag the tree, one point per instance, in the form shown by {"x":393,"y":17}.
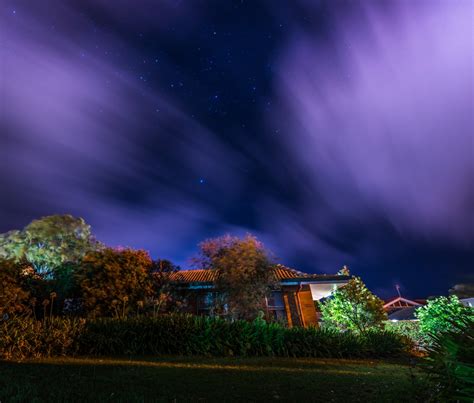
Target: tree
{"x":353,"y":307}
{"x":115,"y":282}
{"x":440,"y":314}
{"x":244,"y":274}
{"x":164,"y":297}
{"x":463,"y":290}
{"x":49,"y":243}
{"x":14,"y":296}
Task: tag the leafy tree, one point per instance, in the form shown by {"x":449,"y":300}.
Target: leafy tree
{"x":353,"y":307}
{"x":440,"y":314}
{"x":463,"y":290}
{"x":49,"y":243}
{"x":164,"y":296}
{"x":14,"y":296}
{"x":244,"y":275}
{"x":115,"y":282}
{"x":12,"y":245}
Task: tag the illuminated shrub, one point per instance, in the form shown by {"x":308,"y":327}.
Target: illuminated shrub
{"x":450,"y":363}
{"x":441,"y":315}
{"x":353,"y":307}
{"x":407,"y":328}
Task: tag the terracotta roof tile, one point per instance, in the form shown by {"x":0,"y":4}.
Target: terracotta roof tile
{"x":194,"y":276}
{"x":282,"y":273}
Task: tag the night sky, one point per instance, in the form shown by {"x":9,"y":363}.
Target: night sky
{"x":337,"y":132}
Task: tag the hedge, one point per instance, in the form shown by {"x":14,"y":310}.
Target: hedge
{"x":187,"y":335}
{"x":408,"y":328}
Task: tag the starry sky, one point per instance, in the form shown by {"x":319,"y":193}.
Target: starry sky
{"x":338,"y":132}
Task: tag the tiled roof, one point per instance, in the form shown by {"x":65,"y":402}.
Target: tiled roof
{"x":194,"y":276}
{"x":282,"y":273}
{"x":407,"y":301}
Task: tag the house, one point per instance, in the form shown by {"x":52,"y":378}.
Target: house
{"x":469,"y":302}
{"x":292,"y":302}
{"x":400,"y":308}
{"x":396,"y":303}
{"x":403,"y":314}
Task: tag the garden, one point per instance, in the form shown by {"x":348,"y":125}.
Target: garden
{"x":83,"y":321}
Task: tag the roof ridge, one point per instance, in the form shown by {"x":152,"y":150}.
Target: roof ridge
{"x":282,"y":266}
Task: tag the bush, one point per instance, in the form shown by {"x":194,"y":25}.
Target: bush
{"x":22,"y":338}
{"x":407,"y":328}
{"x":14,"y":296}
{"x":188,"y":335}
{"x":353,"y":307}
{"x":450,"y":363}
{"x":440,"y":315}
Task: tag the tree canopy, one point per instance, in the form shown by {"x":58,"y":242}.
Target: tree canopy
{"x":441,"y":314}
{"x":49,"y":243}
{"x":244,"y":274}
{"x":353,"y":307}
{"x":115,"y":281}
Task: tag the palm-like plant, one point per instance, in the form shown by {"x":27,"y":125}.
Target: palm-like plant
{"x":450,"y":362}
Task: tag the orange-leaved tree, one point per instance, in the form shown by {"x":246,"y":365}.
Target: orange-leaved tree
{"x":14,"y":296}
{"x":115,"y":282}
{"x":244,"y":274}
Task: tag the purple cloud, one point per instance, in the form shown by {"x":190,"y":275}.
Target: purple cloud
{"x":78,"y":123}
{"x":379,"y":122}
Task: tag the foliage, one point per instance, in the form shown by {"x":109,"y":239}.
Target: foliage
{"x":115,"y":282}
{"x":187,"y":335}
{"x":407,"y":328}
{"x":353,"y":307}
{"x":164,"y":298}
{"x":244,"y":274}
{"x":49,"y":243}
{"x":439,"y":315}
{"x":450,"y":363}
{"x":25,"y":337}
{"x":14,"y":297}
{"x":463,"y":290}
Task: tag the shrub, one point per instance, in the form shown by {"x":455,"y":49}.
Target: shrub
{"x":440,"y":314}
{"x":407,"y":328}
{"x":22,"y":338}
{"x":187,"y":335}
{"x":450,"y":363}
{"x":13,"y":293}
{"x":353,"y":307}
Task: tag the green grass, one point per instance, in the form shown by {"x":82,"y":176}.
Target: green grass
{"x":204,"y":379}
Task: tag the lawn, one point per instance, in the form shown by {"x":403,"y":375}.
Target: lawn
{"x":204,"y":379}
